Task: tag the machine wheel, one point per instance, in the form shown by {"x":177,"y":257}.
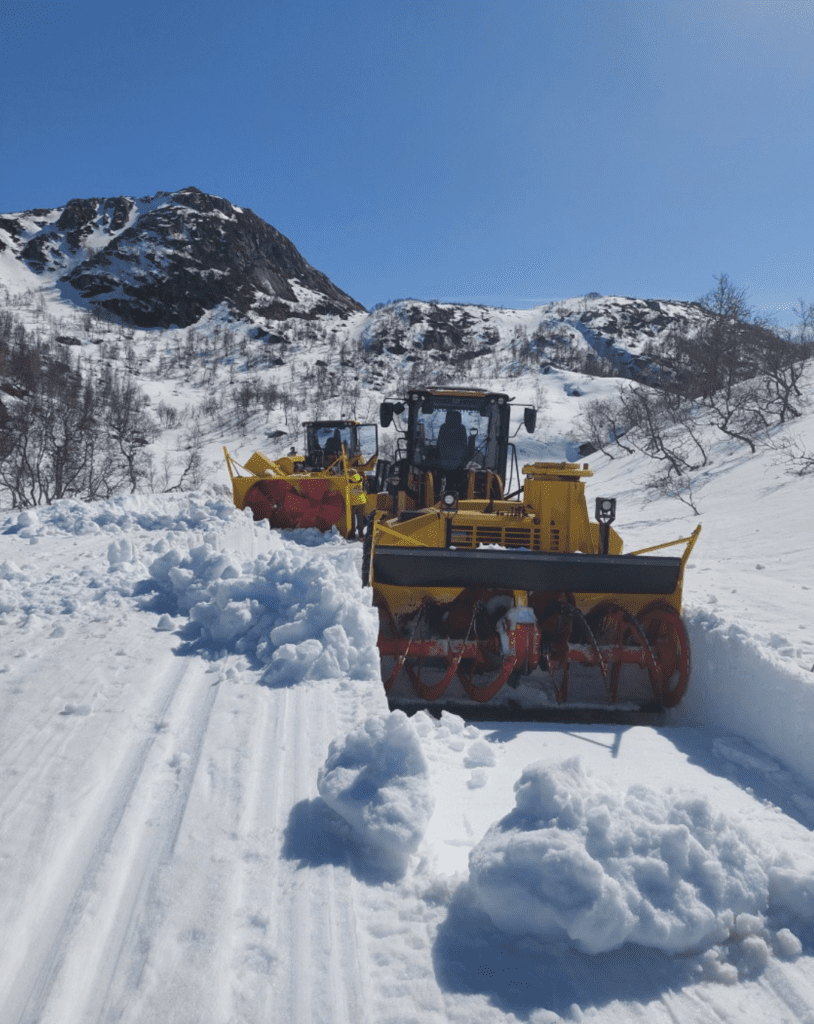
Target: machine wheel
{"x":667,"y":638}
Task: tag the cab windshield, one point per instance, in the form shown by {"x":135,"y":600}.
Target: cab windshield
{"x":325,"y":442}
{"x":456,"y":437}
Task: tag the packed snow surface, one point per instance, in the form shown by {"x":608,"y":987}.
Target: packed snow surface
{"x":210,"y":814}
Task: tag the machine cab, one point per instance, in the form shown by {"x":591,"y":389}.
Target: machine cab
{"x":455,"y":440}
{"x":325,"y":439}
{"x":452,"y":432}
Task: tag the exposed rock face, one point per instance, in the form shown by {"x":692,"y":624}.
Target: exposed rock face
{"x":165,"y":260}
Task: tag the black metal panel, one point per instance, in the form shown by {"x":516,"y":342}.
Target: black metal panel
{"x":525,"y":570}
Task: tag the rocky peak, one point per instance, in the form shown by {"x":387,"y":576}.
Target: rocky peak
{"x":166,"y":260}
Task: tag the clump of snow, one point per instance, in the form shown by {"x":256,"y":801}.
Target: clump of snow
{"x":791,"y":889}
{"x":660,"y":869}
{"x":120,"y":552}
{"x":715,"y":967}
{"x":787,"y":945}
{"x":76,"y":709}
{"x":377,"y":779}
{"x":480,"y":754}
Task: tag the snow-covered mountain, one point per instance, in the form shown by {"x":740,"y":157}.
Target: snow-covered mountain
{"x":186,"y":258}
{"x":166,"y":260}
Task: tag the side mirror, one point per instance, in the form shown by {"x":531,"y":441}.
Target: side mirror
{"x":530,"y":419}
{"x":386,"y":414}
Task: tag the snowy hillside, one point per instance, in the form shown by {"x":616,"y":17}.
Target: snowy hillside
{"x":210,"y":815}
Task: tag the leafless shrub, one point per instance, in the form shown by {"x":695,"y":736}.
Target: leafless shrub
{"x":666,"y":428}
{"x":167,"y":414}
{"x":794,"y":453}
{"x":672,"y":485}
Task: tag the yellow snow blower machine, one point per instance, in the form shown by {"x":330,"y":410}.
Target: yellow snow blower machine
{"x":327,"y":486}
{"x":478,"y":589}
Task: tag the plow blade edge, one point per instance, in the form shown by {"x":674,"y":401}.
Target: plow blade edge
{"x":525,"y":570}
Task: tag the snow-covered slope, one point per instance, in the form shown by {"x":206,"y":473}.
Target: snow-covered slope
{"x":210,"y":815}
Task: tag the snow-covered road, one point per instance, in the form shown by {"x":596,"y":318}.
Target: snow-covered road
{"x":184,"y":697}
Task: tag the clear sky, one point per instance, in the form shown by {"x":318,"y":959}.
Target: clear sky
{"x":499,"y":151}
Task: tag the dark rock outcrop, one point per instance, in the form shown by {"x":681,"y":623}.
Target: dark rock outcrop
{"x":166,"y":260}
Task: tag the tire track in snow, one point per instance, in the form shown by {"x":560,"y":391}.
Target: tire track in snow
{"x":123,"y":951}
{"x":41,"y":972}
{"x":252,"y":960}
{"x":346,"y":970}
{"x":325,"y":971}
{"x":35,"y":744}
{"x":301,"y":963}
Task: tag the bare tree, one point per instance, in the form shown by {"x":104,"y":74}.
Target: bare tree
{"x":727,"y":300}
{"x":799,"y":459}
{"x":600,"y":424}
{"x":668,"y":485}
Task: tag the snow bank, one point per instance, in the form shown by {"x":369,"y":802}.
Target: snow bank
{"x":125,"y":513}
{"x":660,"y":869}
{"x":377,"y":779}
{"x":740,"y":685}
{"x":300,"y":610}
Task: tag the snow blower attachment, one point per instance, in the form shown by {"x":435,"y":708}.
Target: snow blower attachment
{"x":476,"y":593}
{"x":325,"y":487}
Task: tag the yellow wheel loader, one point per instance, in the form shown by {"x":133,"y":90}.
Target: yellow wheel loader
{"x":478,"y":589}
{"x":327,"y":486}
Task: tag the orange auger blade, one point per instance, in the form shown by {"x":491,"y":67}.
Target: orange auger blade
{"x":302,"y":503}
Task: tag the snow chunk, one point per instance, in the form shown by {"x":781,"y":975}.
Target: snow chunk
{"x":377,"y":779}
{"x":787,"y":945}
{"x":480,"y":754}
{"x":658,"y":869}
{"x":120,"y":552}
{"x":8,"y":601}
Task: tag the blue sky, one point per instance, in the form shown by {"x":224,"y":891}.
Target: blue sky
{"x":467,"y":150}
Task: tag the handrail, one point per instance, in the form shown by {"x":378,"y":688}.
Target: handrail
{"x":401,"y":536}
{"x":690,"y":541}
